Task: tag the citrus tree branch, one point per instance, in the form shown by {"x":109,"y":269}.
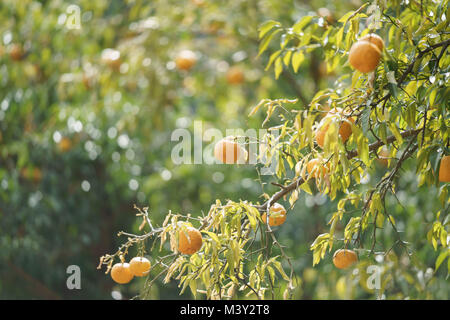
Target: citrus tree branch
{"x":410,"y":68}
{"x":297,"y":182}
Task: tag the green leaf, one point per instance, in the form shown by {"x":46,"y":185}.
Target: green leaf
{"x":297,"y":59}
{"x":193,"y":287}
{"x":213,"y":236}
{"x":339,"y":36}
{"x":433,"y":96}
{"x":272,"y":58}
{"x":345,"y":17}
{"x":396,"y":133}
{"x":305,"y":187}
{"x":278,"y":67}
{"x":365,"y":118}
{"x":265,"y":42}
{"x":266,"y":27}
{"x":287,"y":58}
{"x":298,"y":27}
{"x":277,"y":265}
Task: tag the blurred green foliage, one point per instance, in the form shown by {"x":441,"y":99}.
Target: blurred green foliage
{"x":81,"y":141}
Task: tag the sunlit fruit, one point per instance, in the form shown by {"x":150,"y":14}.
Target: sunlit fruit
{"x":111,"y":58}
{"x":87,"y":81}
{"x":33,"y":174}
{"x":189,"y":240}
{"x":140,"y":266}
{"x":121,"y":273}
{"x":383,"y":156}
{"x":326,"y":14}
{"x":344,"y":258}
{"x":228,"y":151}
{"x":65,"y":144}
{"x":375,"y":39}
{"x":215,"y":26}
{"x":235,"y":75}
{"x":185,"y":60}
{"x":315,"y":168}
{"x":323,"y":71}
{"x":199,"y":3}
{"x":16,"y":52}
{"x":444,"y":170}
{"x":345,"y":128}
{"x":364,"y":56}
{"x":277,"y":215}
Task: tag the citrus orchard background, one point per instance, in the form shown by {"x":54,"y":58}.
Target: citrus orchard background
{"x":86,"y":117}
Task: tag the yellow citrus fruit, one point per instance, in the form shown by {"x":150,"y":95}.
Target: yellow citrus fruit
{"x":444,"y":170}
{"x":375,"y":39}
{"x":185,"y":60}
{"x":235,"y":75}
{"x":277,"y":215}
{"x":344,"y":258}
{"x":140,"y":266}
{"x":121,"y":273}
{"x":364,"y":56}
{"x":228,"y":151}
{"x":189,"y":240}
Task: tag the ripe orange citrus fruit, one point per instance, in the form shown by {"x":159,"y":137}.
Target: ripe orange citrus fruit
{"x":315,"y":168}
{"x":199,"y":3}
{"x":326,"y":14}
{"x":16,"y":52}
{"x":111,"y":58}
{"x":140,"y":266}
{"x":444,"y":170}
{"x":34,"y":174}
{"x":277,"y":215}
{"x":345,"y":128}
{"x":364,"y":56}
{"x":189,"y":240}
{"x":320,"y":136}
{"x":228,"y":151}
{"x":65,"y":144}
{"x":235,"y":75}
{"x":121,"y":273}
{"x":375,"y":39}
{"x":185,"y":60}
{"x":383,"y":156}
{"x":344,"y":258}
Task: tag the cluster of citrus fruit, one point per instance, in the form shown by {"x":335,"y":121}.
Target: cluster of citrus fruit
{"x":124,"y":272}
{"x":364,"y":56}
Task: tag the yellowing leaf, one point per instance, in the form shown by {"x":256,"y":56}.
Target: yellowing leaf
{"x":297,"y":59}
